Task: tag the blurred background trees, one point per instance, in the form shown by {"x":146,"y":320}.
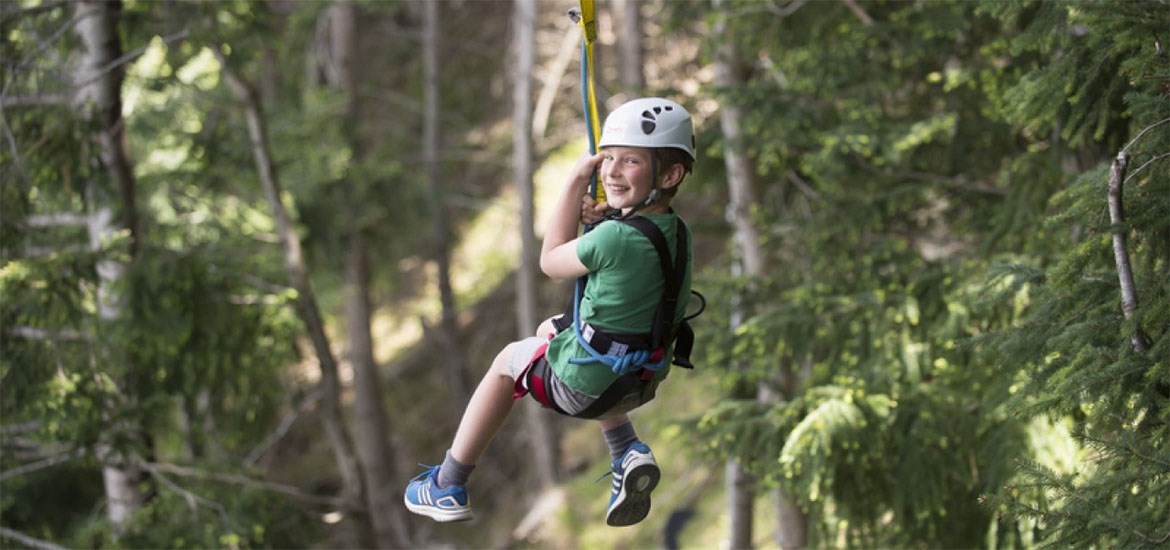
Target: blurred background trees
{"x":915,"y":336}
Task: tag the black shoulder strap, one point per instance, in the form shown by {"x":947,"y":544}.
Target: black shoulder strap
{"x":672,"y":273}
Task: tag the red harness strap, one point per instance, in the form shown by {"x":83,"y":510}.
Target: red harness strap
{"x":538,"y":383}
{"x":535,"y":379}
{"x":519,"y":386}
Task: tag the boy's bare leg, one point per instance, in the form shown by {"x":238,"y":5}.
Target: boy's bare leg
{"x":490,"y":405}
{"x":487,"y":411}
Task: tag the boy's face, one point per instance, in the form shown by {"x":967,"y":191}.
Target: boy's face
{"x":627,"y":174}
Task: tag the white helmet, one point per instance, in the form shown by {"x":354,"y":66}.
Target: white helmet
{"x":649,"y":122}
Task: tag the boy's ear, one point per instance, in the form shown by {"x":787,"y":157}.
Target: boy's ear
{"x":672,"y":176}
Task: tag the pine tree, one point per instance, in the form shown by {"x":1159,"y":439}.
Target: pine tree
{"x":910,"y":149}
{"x":1086,"y":358}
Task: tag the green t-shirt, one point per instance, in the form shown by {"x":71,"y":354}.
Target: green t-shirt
{"x":624,"y":288}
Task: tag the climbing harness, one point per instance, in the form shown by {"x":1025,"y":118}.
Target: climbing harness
{"x":637,"y":358}
{"x":620,"y":360}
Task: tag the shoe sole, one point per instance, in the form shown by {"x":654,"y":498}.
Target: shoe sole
{"x":439,"y":515}
{"x":633,"y":503}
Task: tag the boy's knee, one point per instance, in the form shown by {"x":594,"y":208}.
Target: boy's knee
{"x":546,"y":328}
{"x":502,"y":363}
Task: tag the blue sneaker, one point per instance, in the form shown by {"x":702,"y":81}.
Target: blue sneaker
{"x":424,"y":497}
{"x":635,"y":474}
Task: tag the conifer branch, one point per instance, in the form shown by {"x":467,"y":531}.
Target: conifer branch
{"x":35,"y":333}
{"x":32,"y":11}
{"x":31,"y":542}
{"x":30,"y":101}
{"x":57,"y":219}
{"x":193,"y":500}
{"x":43,"y":47}
{"x":287,"y":490}
{"x":1139,"y":169}
{"x":129,"y":57}
{"x":1114,"y":444}
{"x":285,"y":425}
{"x":18,"y":429}
{"x":1120,"y":253}
{"x":785,"y":11}
{"x":860,"y":13}
{"x":40,"y":464}
{"x":1142,"y":133}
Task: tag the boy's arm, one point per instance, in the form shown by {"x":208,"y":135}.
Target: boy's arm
{"x":558,"y":255}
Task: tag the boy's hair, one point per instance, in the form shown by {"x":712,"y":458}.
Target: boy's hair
{"x":669,"y":156}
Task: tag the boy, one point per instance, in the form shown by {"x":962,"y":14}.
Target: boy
{"x":647,"y":147}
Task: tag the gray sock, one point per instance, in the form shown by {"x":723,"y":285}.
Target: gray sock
{"x":620,"y":438}
{"x":453,"y":472}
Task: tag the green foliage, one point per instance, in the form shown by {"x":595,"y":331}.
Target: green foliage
{"x":941,"y":304}
{"x":208,"y":515}
{"x":1074,"y":344}
{"x":940,"y":314}
{"x":193,"y":366}
{"x":69,"y":490}
{"x":200,"y":327}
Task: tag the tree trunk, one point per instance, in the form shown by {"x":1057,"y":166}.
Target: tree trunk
{"x":742,"y":185}
{"x":629,"y":17}
{"x":524,"y":23}
{"x":739,"y":505}
{"x":99,"y":95}
{"x":371,"y":425}
{"x":453,"y":360}
{"x":370,"y":421}
{"x":1139,"y":340}
{"x":99,"y":99}
{"x":792,"y":532}
{"x":310,"y":313}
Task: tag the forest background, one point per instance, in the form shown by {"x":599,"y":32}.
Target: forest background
{"x":255,"y":254}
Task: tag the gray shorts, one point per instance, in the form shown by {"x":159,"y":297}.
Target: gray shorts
{"x":568,"y":399}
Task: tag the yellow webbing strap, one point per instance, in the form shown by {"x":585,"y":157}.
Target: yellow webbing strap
{"x":588,"y":24}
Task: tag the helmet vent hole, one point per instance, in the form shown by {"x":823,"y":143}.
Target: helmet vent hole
{"x":648,"y":120}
